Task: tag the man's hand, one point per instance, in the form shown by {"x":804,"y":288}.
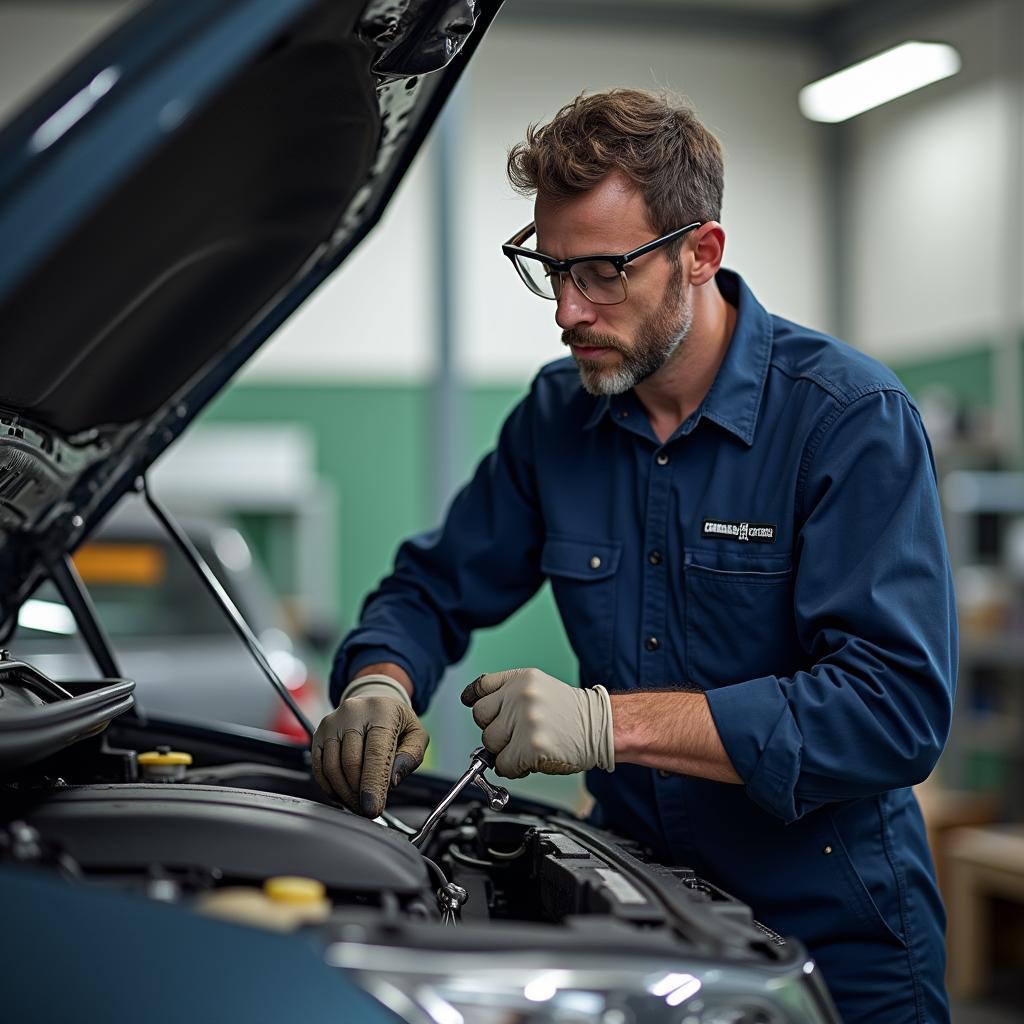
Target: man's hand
{"x":369,"y":744}
{"x":536,"y":723}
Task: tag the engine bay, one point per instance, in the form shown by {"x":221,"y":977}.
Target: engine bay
{"x":237,"y":824}
{"x":195,"y":814}
{"x":230,"y":827}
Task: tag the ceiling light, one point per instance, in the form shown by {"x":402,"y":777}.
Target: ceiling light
{"x":875,"y":81}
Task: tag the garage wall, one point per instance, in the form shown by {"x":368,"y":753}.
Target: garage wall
{"x":367,"y":336}
{"x":934,"y":214}
{"x":935,"y":211}
{"x":370,"y":445}
{"x":373,"y":322}
{"x":926,"y":236}
{"x":744,"y":91}
{"x":357,"y":361}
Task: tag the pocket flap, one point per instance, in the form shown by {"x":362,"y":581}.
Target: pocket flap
{"x":580,"y":559}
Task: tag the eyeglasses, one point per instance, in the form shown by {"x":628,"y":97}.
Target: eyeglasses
{"x":601,"y":278}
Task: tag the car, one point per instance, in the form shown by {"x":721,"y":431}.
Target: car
{"x":169,"y":633}
{"x":165,"y":204}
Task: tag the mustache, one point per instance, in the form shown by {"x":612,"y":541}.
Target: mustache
{"x":583,"y":340}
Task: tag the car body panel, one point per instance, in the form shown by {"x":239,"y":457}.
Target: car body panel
{"x":225,"y":160}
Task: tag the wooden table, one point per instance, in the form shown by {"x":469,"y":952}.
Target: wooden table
{"x":980,"y":863}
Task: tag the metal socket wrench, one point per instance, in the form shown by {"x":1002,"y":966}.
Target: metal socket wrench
{"x":480,"y":760}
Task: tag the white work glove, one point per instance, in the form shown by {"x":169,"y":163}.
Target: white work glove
{"x":369,"y":744}
{"x":536,"y":723}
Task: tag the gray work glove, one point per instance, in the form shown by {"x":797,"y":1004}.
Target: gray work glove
{"x":536,"y":723}
{"x":369,"y":744}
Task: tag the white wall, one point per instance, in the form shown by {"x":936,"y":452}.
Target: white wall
{"x":931,"y":191}
{"x":744,"y":91}
{"x":371,"y":321}
{"x":930,"y":176}
{"x":374,"y":320}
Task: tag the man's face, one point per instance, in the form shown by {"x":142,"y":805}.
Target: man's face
{"x":615,"y":347}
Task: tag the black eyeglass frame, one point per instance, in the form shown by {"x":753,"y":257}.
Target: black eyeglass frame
{"x":514,"y":247}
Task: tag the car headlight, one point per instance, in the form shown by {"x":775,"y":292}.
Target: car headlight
{"x":473,"y":987}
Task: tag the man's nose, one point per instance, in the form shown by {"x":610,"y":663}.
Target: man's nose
{"x":573,"y":309}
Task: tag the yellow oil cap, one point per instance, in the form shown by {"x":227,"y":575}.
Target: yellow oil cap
{"x":294,"y":889}
{"x":164,"y":757}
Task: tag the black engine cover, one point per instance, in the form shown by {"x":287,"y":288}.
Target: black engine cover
{"x":247,"y":834}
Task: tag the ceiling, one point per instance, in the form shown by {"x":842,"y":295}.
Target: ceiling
{"x":744,"y":6}
{"x":831,"y":25}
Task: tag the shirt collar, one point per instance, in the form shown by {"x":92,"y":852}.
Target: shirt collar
{"x":734,"y":400}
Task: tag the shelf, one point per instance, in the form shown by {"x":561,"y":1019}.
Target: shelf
{"x":1002,"y":650}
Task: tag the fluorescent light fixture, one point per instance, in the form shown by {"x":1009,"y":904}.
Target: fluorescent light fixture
{"x":875,"y":81}
{"x":47,"y":617}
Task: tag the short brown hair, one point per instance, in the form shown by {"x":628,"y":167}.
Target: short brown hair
{"x":659,"y":144}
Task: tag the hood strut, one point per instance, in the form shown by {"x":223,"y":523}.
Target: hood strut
{"x":73,"y":591}
{"x":75,"y":595}
{"x":220,"y":595}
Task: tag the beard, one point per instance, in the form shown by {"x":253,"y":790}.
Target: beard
{"x":658,"y":337}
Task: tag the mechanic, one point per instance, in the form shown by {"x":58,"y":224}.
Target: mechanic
{"x":739,"y":518}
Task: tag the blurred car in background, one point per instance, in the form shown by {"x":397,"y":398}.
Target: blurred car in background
{"x":168,"y":632}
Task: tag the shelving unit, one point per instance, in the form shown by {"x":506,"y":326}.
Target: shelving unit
{"x":986,"y":744}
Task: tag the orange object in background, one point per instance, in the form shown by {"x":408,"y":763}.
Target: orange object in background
{"x":141,"y":565}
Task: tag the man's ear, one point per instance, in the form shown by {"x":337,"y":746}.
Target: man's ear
{"x":708,"y":247}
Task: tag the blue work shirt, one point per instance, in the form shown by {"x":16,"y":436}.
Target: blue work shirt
{"x":783,"y":553}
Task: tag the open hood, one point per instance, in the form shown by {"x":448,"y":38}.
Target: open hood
{"x":166,"y":205}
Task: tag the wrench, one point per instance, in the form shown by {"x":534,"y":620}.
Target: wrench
{"x":480,"y":760}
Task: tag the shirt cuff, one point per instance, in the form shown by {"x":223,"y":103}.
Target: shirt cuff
{"x":351,"y":662}
{"x":762,"y":740}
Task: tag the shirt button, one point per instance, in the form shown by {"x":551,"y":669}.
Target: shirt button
{"x":651,"y":643}
{"x":827,"y":850}
{"x":595,"y":562}
{"x":662,"y":459}
{"x":654,"y":557}
{"x":662,"y":774}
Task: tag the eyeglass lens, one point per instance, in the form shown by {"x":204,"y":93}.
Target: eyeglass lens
{"x":598,"y":280}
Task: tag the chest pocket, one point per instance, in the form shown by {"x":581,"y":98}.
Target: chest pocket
{"x":739,"y":618}
{"x":582,"y":574}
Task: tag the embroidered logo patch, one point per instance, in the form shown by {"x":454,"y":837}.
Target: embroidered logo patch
{"x":757,"y":533}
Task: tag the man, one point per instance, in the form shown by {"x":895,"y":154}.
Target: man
{"x":739,"y":520}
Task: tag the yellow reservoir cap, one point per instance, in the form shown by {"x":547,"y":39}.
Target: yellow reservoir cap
{"x":294,"y":889}
{"x":169,"y":757}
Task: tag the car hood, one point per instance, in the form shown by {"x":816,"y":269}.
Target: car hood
{"x":166,"y":205}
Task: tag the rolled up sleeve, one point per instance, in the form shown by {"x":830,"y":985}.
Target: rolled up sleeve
{"x":875,"y":614}
{"x":473,"y":571}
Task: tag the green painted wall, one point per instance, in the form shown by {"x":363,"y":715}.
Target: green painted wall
{"x":373,"y":446}
{"x":368,"y":448}
{"x":967,"y":375}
